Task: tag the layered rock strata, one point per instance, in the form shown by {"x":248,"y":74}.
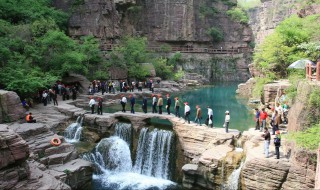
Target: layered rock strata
{"x":294,"y":170}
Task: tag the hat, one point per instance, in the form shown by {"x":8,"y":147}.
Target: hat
{"x":227,"y":111}
{"x":186,"y":103}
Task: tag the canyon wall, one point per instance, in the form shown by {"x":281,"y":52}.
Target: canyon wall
{"x":168,"y":22}
{"x":264,"y":19}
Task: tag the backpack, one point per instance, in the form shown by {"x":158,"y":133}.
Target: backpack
{"x":277,"y":141}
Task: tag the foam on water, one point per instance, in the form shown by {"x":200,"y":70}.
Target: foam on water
{"x":130,"y":180}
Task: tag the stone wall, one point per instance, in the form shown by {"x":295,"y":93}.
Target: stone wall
{"x":217,"y":67}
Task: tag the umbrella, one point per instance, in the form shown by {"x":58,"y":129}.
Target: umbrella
{"x":301,"y":64}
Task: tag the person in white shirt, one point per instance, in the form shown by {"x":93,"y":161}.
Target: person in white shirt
{"x":123,"y":103}
{"x":186,"y":112}
{"x":226,"y":121}
{"x":45,"y":98}
{"x":210,"y":117}
{"x":154,"y":104}
{"x":92,"y":103}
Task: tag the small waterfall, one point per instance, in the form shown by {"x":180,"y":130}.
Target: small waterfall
{"x":233,"y":180}
{"x":124,"y":131}
{"x":239,"y":146}
{"x":72,"y":133}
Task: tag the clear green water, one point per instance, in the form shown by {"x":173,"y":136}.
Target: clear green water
{"x":220,"y":97}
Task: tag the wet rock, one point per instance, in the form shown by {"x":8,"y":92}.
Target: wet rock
{"x":10,"y":107}
{"x":190,"y":168}
{"x":90,"y":136}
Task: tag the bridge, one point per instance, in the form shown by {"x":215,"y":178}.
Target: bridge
{"x":195,"y":140}
{"x":184,"y":49}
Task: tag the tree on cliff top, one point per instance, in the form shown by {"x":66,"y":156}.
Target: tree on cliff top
{"x":283,"y":47}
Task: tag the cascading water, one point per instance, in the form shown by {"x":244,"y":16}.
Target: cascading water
{"x":114,"y":168}
{"x":124,"y":131}
{"x":154,"y":152}
{"x":233,"y":180}
{"x":72,"y":133}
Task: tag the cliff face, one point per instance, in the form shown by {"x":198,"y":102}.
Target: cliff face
{"x":172,"y":21}
{"x":265,"y":18}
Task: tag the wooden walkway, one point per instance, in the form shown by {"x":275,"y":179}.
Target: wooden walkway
{"x":184,"y":49}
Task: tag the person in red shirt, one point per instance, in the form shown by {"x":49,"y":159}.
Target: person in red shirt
{"x":263,"y":119}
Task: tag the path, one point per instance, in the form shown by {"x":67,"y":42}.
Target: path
{"x":185,"y":49}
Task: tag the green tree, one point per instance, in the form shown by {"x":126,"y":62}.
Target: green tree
{"x":239,"y":15}
{"x":163,"y":68}
{"x":285,"y":45}
{"x":216,"y":34}
{"x":129,"y":55}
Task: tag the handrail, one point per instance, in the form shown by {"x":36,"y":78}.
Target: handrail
{"x":184,"y":49}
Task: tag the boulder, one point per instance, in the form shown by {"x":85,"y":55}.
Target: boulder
{"x":245,"y":89}
{"x":76,"y":78}
{"x":41,"y":180}
{"x":261,"y":173}
{"x":12,"y":147}
{"x":13,"y":154}
{"x":79,"y":173}
{"x":271,"y":90}
{"x":10,"y":107}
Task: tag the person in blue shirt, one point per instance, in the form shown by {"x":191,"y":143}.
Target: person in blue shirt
{"x":257,"y":116}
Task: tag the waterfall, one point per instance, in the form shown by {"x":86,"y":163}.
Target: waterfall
{"x":72,"y":133}
{"x":239,"y":146}
{"x":233,"y":180}
{"x":153,"y":153}
{"x":114,"y":168}
{"x":124,"y":131}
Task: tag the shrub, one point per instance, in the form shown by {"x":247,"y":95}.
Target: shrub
{"x":216,"y":34}
{"x":237,"y":14}
{"x":306,"y":139}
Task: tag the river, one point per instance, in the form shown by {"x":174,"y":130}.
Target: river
{"x":220,"y":97}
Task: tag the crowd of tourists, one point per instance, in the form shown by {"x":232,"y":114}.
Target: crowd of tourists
{"x":51,"y":95}
{"x":98,"y":86}
{"x":158,"y":104}
{"x":278,"y":116}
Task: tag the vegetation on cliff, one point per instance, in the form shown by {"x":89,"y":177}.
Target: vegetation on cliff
{"x":295,"y":38}
{"x":35,"y":50}
{"x":308,"y":139}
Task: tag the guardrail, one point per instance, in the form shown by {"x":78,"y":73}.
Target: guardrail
{"x":185,"y":49}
